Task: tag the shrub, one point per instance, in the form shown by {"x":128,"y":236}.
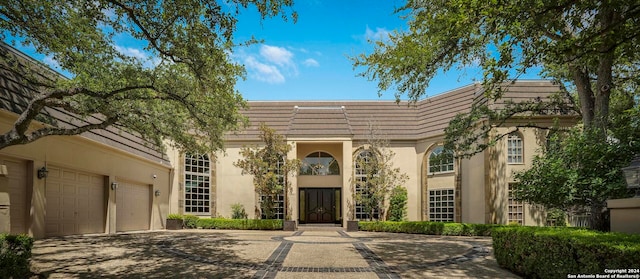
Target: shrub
{"x":398,"y":204}
{"x":174,"y":216}
{"x":431,"y":228}
{"x":240,"y":224}
{"x":190,"y":221}
{"x":548,"y":252}
{"x":15,"y":253}
{"x":238,"y":211}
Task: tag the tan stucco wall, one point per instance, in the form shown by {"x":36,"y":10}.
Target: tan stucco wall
{"x":473,"y":189}
{"x":232,"y":186}
{"x":86,"y":155}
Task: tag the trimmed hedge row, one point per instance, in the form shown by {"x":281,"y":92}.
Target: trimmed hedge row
{"x":239,"y":224}
{"x":15,"y":253}
{"x":431,"y":228}
{"x":549,"y":252}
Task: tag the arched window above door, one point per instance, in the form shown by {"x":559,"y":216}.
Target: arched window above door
{"x":319,"y":163}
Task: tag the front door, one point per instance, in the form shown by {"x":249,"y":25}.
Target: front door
{"x":320,"y":205}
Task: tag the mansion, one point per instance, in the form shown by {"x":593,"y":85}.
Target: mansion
{"x":108,"y":181}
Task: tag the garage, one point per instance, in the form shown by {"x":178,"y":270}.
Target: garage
{"x":133,"y":207}
{"x":17,"y":179}
{"x":75,"y":202}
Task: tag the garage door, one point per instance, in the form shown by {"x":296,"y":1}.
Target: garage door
{"x":17,"y":193}
{"x":133,"y":207}
{"x":75,"y":202}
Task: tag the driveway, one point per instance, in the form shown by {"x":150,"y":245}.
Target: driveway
{"x":265,"y":254}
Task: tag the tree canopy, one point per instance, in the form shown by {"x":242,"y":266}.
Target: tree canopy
{"x":183,"y":91}
{"x":590,"y":47}
{"x":270,"y":168}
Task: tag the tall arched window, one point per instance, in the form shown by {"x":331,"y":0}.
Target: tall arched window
{"x":197,"y":185}
{"x":319,"y":163}
{"x":514,"y":149}
{"x":440,"y":160}
{"x":277,"y":204}
{"x":362,"y":166}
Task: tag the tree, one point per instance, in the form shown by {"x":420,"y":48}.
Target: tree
{"x":184,"y":92}
{"x":589,"y":48}
{"x":398,"y":204}
{"x":375,"y":176}
{"x":270,"y":169}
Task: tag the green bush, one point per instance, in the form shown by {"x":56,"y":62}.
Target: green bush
{"x":190,"y":221}
{"x":15,"y":253}
{"x":431,"y":228}
{"x":398,"y":204}
{"x":240,"y":224}
{"x":552,"y":252}
{"x":238,"y":211}
{"x":174,"y":216}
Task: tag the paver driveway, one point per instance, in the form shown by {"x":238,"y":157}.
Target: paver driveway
{"x":265,"y":254}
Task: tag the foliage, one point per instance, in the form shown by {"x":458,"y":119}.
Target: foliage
{"x":270,"y":168}
{"x":556,"y":217}
{"x":543,"y":252}
{"x":182,"y":91}
{"x":575,"y":42}
{"x":190,"y":221}
{"x":238,"y":212}
{"x":398,"y":204}
{"x":240,"y":224}
{"x":15,"y":254}
{"x":378,"y":177}
{"x":429,"y":228}
{"x":578,"y":171}
{"x":175,"y":216}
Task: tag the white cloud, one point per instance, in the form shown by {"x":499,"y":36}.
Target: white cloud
{"x":132,"y":52}
{"x":262,"y":71}
{"x":311,"y":63}
{"x":380,"y":34}
{"x":277,"y":55}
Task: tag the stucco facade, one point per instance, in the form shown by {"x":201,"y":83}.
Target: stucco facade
{"x":108,"y":181}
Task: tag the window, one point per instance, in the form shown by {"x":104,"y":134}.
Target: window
{"x":440,"y":160}
{"x":278,"y":201}
{"x":197,"y":177}
{"x":362,"y":160}
{"x":319,"y":163}
{"x":441,"y":205}
{"x":516,"y":209}
{"x":514,"y":149}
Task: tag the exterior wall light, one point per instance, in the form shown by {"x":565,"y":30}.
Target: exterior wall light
{"x":157,"y":193}
{"x":632,"y":175}
{"x":42,"y":172}
{"x":114,"y":185}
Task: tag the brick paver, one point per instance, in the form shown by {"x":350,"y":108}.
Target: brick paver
{"x":305,"y":253}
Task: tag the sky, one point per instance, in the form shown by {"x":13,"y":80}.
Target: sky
{"x":309,"y":59}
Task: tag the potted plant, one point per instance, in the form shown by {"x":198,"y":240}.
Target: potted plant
{"x":174,"y":222}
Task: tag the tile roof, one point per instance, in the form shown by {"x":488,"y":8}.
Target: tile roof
{"x":405,"y":121}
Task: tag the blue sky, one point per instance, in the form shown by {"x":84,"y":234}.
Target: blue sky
{"x":309,"y":60}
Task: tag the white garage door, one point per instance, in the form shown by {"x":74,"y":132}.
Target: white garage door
{"x":133,"y":207}
{"x":75,"y":202}
{"x":17,"y":193}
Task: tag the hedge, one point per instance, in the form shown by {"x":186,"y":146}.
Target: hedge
{"x":431,"y":228}
{"x":239,"y":224}
{"x":15,"y":253}
{"x":548,"y":252}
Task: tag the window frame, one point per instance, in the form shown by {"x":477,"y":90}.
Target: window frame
{"x":441,"y":163}
{"x":512,"y":149}
{"x":279,"y":199}
{"x":200,"y":180}
{"x":512,"y":204}
{"x":360,"y":179}
{"x":436,"y":196}
{"x":328,"y":168}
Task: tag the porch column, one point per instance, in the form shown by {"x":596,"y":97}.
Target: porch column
{"x":347,"y":170}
